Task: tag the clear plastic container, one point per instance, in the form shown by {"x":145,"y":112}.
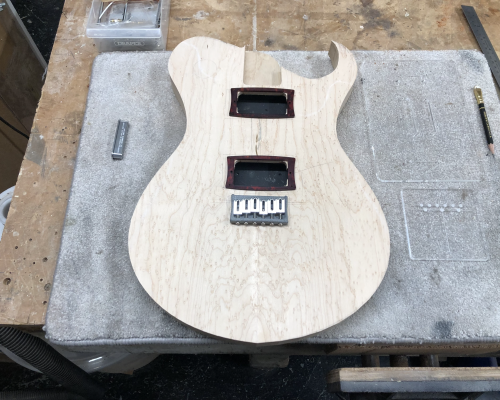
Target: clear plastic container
{"x":115,"y":363}
{"x":129,"y":25}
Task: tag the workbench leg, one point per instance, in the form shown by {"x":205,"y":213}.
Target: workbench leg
{"x":269,"y":360}
{"x":370,"y":361}
{"x":398,"y":361}
{"x":429,"y":361}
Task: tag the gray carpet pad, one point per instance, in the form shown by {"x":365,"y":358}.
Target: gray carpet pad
{"x":411,"y":127}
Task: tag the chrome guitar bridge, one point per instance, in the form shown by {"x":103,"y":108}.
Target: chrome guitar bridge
{"x":259,"y":210}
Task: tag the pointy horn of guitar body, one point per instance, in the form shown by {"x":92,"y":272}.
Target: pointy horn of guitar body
{"x":339,"y":54}
{"x":333,"y":53}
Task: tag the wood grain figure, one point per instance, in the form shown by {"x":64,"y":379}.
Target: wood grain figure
{"x":251,"y":283}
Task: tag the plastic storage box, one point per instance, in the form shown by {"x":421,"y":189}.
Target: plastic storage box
{"x":133,"y":25}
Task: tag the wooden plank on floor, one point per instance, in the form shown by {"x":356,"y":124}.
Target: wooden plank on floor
{"x":390,"y":380}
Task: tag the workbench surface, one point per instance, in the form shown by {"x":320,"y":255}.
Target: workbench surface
{"x":31,"y":240}
{"x":421,"y":150}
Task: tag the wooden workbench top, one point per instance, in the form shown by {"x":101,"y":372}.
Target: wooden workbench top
{"x":30,"y":242}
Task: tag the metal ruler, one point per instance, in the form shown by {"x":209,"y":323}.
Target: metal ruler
{"x":483,"y":40}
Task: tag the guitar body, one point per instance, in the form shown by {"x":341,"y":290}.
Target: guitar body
{"x":258,"y":284}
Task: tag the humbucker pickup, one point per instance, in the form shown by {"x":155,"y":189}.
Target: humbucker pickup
{"x":259,"y":210}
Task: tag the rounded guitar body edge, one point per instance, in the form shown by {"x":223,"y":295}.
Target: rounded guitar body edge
{"x":258,"y":228}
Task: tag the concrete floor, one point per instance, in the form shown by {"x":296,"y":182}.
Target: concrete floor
{"x":211,"y":377}
{"x":202,"y":377}
{"x":41,"y":19}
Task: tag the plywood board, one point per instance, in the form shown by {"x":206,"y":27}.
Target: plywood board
{"x":30,"y":241}
{"x":21,"y":72}
{"x":12,"y":148}
{"x":20,"y":87}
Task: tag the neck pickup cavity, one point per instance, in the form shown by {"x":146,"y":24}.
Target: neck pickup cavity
{"x":265,"y":173}
{"x":261,"y":103}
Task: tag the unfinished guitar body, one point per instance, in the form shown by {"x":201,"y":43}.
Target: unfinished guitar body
{"x":257,"y":283}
